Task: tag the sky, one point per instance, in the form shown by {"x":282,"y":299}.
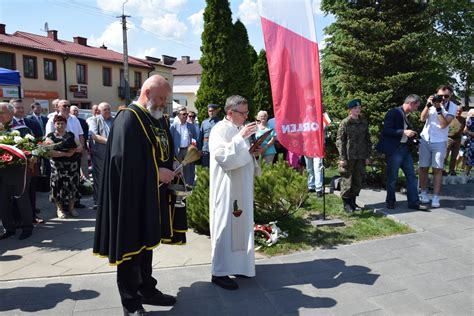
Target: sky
{"x":156,"y":27}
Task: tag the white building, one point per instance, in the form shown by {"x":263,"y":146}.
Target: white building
{"x":187,"y":77}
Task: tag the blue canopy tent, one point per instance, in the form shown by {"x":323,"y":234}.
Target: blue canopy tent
{"x":10,"y":78}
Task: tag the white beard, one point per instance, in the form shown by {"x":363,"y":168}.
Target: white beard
{"x":154,"y":111}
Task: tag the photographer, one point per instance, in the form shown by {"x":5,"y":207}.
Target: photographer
{"x":437,"y":115}
{"x":396,"y":140}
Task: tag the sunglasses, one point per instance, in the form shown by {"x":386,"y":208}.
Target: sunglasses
{"x":183,"y":114}
{"x":192,"y":116}
{"x":446,"y":96}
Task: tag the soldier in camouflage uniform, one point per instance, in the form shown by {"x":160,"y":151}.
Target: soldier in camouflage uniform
{"x":354,"y":146}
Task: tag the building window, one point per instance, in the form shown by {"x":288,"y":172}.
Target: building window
{"x":50,"y":69}
{"x":138,"y":79}
{"x":107,"y":76}
{"x":7,"y":60}
{"x":30,"y":67}
{"x":81,"y":73}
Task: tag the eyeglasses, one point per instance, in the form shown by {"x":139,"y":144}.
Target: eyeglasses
{"x":243,"y":113}
{"x":183,"y":114}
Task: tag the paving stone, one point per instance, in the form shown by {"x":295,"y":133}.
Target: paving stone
{"x":454,"y":304}
{"x":35,"y":270}
{"x":291,"y":299}
{"x":428,"y":285}
{"x":447,"y":269}
{"x":465,"y":284}
{"x":403,"y":303}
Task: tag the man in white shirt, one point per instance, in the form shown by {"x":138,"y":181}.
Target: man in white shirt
{"x":438,"y":113}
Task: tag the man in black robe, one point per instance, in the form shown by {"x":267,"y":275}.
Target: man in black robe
{"x":134,"y":213}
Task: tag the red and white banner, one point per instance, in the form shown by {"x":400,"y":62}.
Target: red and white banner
{"x":293,"y":63}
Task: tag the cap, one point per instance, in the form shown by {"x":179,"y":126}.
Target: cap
{"x":212,"y":106}
{"x":354,"y":103}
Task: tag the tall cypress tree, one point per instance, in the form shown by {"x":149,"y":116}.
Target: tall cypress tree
{"x":262,"y":92}
{"x":379,"y":52}
{"x":241,"y":66}
{"x":215,"y":60}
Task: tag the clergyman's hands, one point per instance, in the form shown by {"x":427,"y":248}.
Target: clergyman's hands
{"x":248,"y":130}
{"x":166,"y":175}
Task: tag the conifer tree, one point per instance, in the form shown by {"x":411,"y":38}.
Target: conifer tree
{"x":216,"y":56}
{"x":241,"y":66}
{"x":453,"y":21}
{"x":379,"y":52}
{"x":262,"y":92}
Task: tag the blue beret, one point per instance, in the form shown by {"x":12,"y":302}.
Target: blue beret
{"x":212,"y":106}
{"x":354,"y":103}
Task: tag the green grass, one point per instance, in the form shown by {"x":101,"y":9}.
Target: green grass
{"x":302,"y":235}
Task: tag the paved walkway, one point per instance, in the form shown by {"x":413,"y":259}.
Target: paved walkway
{"x":428,"y":272}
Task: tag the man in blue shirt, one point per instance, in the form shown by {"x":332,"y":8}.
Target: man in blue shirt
{"x":206,"y":126}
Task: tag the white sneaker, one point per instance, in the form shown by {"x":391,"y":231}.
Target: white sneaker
{"x":435,"y":201}
{"x":424,"y":198}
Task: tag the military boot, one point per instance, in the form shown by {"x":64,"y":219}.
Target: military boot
{"x":347,"y":205}
{"x":354,"y":204}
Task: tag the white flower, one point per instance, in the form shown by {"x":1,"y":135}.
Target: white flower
{"x":17,"y":139}
{"x":29,"y":137}
{"x":15,"y":133}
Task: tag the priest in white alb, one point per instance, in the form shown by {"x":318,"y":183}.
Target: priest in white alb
{"x":232,"y":169}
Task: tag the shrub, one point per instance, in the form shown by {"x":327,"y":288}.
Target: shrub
{"x":197,"y":204}
{"x":278,"y":192}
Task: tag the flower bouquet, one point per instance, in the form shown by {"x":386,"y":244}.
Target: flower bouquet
{"x":17,"y":150}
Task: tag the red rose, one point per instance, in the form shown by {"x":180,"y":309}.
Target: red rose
{"x":7,"y":157}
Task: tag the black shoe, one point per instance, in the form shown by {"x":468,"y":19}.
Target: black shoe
{"x":390,"y":205}
{"x":354,"y":205}
{"x":25,"y":234}
{"x":241,"y":276}
{"x":419,"y":207}
{"x":160,"y":299}
{"x":319,"y":193}
{"x":140,"y":311}
{"x":311,"y":190}
{"x":348,"y":208}
{"x":79,"y":205}
{"x":225,"y":282}
{"x":7,"y":234}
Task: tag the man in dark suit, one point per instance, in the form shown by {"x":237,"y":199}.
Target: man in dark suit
{"x":15,"y":205}
{"x":19,"y":119}
{"x":396,"y":139}
{"x":42,"y":120}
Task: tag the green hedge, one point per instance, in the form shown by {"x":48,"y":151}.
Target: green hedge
{"x":278,"y":192}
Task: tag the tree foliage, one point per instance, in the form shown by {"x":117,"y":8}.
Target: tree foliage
{"x":262,"y":92}
{"x":379,"y":52}
{"x":216,"y":56}
{"x":241,"y":65}
{"x":453,"y":22}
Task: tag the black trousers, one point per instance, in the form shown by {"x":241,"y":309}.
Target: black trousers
{"x":15,"y":213}
{"x":134,"y":280}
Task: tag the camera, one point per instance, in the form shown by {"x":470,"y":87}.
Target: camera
{"x":437,"y":98}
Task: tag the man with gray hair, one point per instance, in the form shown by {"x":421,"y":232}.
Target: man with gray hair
{"x":398,"y":137}
{"x":99,"y":129}
{"x":232,"y":168}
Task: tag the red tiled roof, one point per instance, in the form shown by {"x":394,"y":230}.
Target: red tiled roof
{"x":192,"y":68}
{"x":38,"y":42}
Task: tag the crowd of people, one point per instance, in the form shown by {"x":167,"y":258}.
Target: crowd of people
{"x":136,"y":155}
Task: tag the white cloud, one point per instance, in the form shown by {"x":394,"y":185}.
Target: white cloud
{"x":167,"y":26}
{"x":153,"y":51}
{"x":197,"y":22}
{"x":248,"y":12}
{"x":157,"y":16}
{"x":112,"y":36}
